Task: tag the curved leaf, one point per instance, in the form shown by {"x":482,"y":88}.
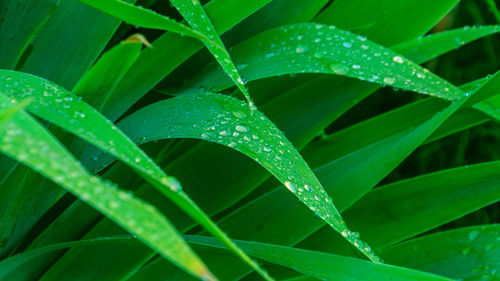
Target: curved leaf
{"x":317,"y":48}
{"x":229,"y":122}
{"x":56,"y":105}
{"x":22,"y":138}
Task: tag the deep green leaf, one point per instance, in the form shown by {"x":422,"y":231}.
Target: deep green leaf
{"x":22,"y":138}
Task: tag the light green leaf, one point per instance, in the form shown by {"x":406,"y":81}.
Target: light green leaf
{"x":98,"y":83}
{"x":22,"y":138}
{"x":56,"y":105}
{"x":229,"y":122}
{"x":317,"y":48}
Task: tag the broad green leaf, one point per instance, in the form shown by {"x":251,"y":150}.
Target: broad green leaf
{"x":320,"y":265}
{"x":227,"y":121}
{"x":97,"y":84}
{"x":471,"y":253}
{"x":138,"y":16}
{"x":170,"y":51}
{"x":317,"y":48}
{"x":79,"y":118}
{"x":22,"y":138}
{"x":195,"y":15}
{"x":19,"y":22}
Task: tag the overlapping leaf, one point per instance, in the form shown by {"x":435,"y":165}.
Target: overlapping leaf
{"x":27,"y":141}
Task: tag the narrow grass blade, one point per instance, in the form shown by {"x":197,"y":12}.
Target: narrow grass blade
{"x":22,"y":138}
{"x":21,"y":20}
{"x":227,"y":121}
{"x":320,"y":265}
{"x":56,"y":105}
{"x":195,"y":15}
{"x":100,"y":81}
{"x":142,"y":17}
{"x":317,"y":48}
{"x":471,"y":253}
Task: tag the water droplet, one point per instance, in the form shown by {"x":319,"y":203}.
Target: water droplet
{"x":339,"y":68}
{"x":301,"y":49}
{"x":291,"y":186}
{"x":347,"y":44}
{"x":239,"y":114}
{"x":356,"y":66}
{"x":223,"y":133}
{"x":397,"y":59}
{"x":241,"y":129}
{"x":137,"y":160}
{"x":266,"y":149}
{"x":473,"y":234}
{"x":389,"y":80}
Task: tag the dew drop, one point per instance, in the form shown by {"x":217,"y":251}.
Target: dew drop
{"x":347,"y":44}
{"x":339,"y":68}
{"x":239,"y":114}
{"x":301,"y":49}
{"x":397,"y":59}
{"x":389,"y":80}
{"x":241,"y":129}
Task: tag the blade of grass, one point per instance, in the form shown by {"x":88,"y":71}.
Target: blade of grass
{"x":314,"y":48}
{"x":322,"y":265}
{"x":97,"y":84}
{"x":226,"y":121}
{"x":195,"y":15}
{"x":170,"y":51}
{"x":22,"y":138}
{"x":56,"y":105}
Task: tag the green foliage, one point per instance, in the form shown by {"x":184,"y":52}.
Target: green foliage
{"x":145,"y":137}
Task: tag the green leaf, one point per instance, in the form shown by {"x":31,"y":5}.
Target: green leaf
{"x":100,"y":81}
{"x":317,"y":48}
{"x":195,"y":15}
{"x":22,"y":138}
{"x":56,"y":105}
{"x":19,"y":22}
{"x":470,"y":253}
{"x":229,"y":122}
{"x":138,"y":16}
{"x":320,"y":265}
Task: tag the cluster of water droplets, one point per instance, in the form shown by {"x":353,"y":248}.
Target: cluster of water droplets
{"x":318,"y":48}
{"x":22,"y":139}
{"x":57,"y":105}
